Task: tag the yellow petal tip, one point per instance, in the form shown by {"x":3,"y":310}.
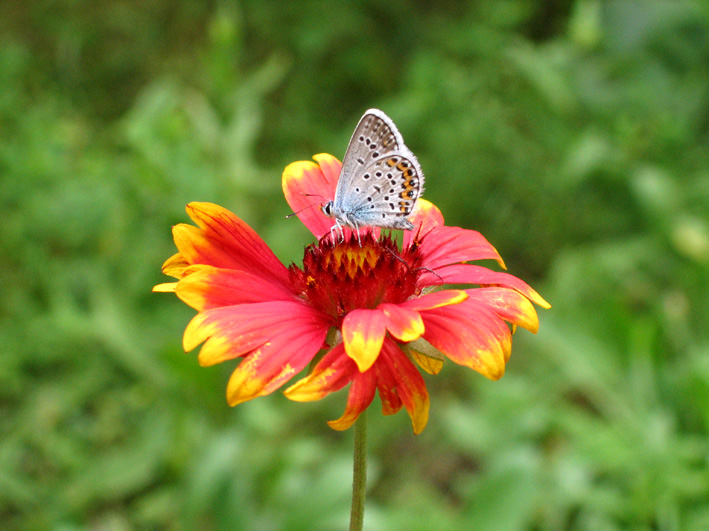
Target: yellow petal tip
{"x":167,"y":287}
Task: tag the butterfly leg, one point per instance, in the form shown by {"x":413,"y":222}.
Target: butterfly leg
{"x":356,"y":226}
{"x":342,"y":231}
{"x":337,"y":227}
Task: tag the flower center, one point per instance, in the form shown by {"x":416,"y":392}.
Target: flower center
{"x":343,"y":276}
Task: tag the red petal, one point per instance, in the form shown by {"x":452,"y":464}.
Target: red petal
{"x":451,"y":245}
{"x":469,"y":334}
{"x":270,"y":366}
{"x":399,"y":374}
{"x":387,"y":385}
{"x":233,"y":331}
{"x":225,"y":241}
{"x":508,"y":305}
{"x":332,"y":373}
{"x":363,"y":333}
{"x":210,"y":287}
{"x":395,"y":377}
{"x":360,"y":396}
{"x":436,"y":299}
{"x":473,"y":274}
{"x":331,"y":168}
{"x":405,"y":325}
{"x":307,"y":186}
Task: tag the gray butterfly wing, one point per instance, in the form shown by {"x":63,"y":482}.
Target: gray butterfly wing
{"x":375,"y":136}
{"x":385,"y":193}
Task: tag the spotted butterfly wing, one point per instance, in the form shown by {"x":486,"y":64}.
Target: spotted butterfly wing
{"x":380,"y":179}
{"x":374,"y":136}
{"x":386,"y":192}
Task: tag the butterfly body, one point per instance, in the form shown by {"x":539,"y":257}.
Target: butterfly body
{"x":380,"y":179}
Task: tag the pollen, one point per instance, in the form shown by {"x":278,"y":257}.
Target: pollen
{"x":343,"y":276}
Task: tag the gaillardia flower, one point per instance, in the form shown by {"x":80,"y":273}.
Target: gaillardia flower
{"x":365,"y":310}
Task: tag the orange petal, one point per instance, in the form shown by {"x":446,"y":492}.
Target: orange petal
{"x":188,"y":239}
{"x":307,"y":186}
{"x":363,"y":333}
{"x":211,"y":287}
{"x":405,"y":325}
{"x":225,"y":241}
{"x":175,"y":266}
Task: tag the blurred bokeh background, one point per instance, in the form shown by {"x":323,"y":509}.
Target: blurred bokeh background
{"x":574,"y":134}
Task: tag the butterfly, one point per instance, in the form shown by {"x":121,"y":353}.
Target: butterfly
{"x":380,"y":179}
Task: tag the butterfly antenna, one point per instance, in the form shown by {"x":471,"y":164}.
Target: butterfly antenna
{"x":428,"y":270}
{"x":311,"y":205}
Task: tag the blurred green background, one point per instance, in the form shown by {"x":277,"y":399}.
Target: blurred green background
{"x":574,"y":134}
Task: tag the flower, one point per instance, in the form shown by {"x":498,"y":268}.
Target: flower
{"x":372,"y":309}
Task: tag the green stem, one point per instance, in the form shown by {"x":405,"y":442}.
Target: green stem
{"x":359,"y":474}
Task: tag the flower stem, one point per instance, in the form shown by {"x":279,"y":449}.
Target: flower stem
{"x":359,"y":474}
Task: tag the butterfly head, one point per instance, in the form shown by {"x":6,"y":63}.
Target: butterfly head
{"x":327,"y":209}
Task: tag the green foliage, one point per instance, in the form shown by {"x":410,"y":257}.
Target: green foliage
{"x":573,"y":134}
